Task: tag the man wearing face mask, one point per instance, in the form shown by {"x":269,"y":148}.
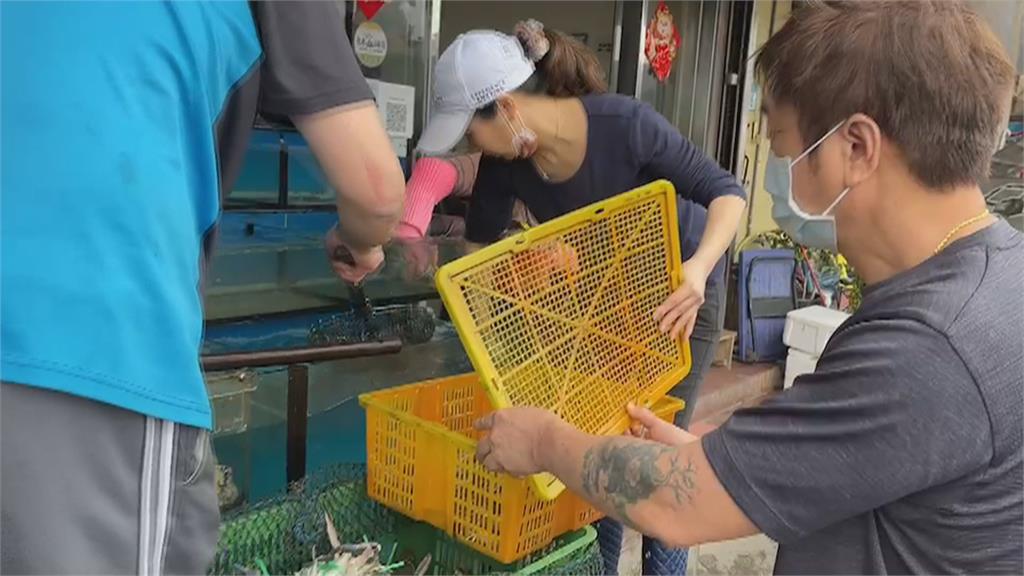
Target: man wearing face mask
{"x":902,"y":452}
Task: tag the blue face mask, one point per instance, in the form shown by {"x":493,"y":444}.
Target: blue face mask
{"x":813,"y":231}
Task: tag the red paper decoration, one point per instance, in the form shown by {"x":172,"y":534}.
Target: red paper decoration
{"x":662,"y":42}
{"x":369,"y":8}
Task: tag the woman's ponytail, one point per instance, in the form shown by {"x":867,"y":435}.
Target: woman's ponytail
{"x":566,"y":67}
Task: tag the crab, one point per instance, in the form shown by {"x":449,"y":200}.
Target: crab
{"x":227,"y":492}
{"x":352,"y":559}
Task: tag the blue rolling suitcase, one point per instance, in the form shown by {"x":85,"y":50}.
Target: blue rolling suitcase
{"x":765,"y":290}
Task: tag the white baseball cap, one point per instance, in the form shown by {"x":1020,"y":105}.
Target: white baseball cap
{"x":472,"y":72}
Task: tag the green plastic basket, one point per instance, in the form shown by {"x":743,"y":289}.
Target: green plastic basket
{"x":572,"y":554}
{"x":282,"y":534}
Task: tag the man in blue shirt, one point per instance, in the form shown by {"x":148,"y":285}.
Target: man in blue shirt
{"x":124,"y":125}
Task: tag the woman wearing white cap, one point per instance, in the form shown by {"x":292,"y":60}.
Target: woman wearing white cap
{"x":535,"y":105}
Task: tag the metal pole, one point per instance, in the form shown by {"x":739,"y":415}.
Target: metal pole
{"x":712,"y":79}
{"x":286,"y":356}
{"x":297,"y":422}
{"x":732,"y":87}
{"x":696,"y":75}
{"x":613,"y":74}
{"x":641,"y":56}
{"x":432,"y":52}
{"x":282,"y":172}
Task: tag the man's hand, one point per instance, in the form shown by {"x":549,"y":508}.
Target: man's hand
{"x":646,"y":425}
{"x":513,"y":441}
{"x":664,"y":487}
{"x":678,"y":314}
{"x":349,"y":264}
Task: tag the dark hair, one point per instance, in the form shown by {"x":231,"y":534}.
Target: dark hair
{"x":930,"y":72}
{"x":568,"y":70}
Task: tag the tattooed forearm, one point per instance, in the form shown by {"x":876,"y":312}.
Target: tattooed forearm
{"x":625,"y":472}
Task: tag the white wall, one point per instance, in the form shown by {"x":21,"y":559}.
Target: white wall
{"x":594,"y":18}
{"x":1006,"y":17}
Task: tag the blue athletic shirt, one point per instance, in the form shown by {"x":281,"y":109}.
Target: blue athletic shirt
{"x":123,"y":125}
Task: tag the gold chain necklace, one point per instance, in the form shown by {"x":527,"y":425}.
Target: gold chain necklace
{"x":945,"y":241}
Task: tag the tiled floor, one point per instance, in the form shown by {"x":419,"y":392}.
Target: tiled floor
{"x":753,"y":556}
{"x":724,"y":391}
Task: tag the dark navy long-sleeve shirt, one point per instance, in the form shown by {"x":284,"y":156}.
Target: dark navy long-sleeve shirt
{"x":628,"y":145}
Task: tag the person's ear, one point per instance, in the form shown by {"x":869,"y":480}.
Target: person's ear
{"x":862,"y":150}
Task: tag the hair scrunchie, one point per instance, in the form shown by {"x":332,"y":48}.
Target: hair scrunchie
{"x":530,"y":34}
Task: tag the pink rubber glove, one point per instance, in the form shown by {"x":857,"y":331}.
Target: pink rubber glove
{"x":432,"y":180}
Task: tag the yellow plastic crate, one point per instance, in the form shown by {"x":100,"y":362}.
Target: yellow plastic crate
{"x":421,"y":461}
{"x":562,"y":315}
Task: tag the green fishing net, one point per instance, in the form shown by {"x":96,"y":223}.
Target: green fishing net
{"x":281,"y":534}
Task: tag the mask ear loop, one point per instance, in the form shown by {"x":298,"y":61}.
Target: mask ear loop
{"x":520,"y":137}
{"x":792,"y":200}
{"x":828,"y":211}
{"x":817,"y":143}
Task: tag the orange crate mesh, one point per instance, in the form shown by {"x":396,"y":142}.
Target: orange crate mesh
{"x":499,"y":514}
{"x":562,"y":315}
{"x":393,"y":446}
{"x":421,"y":462}
{"x":585,"y":514}
{"x":425,"y":471}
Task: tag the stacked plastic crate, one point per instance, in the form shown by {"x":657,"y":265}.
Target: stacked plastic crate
{"x":806,"y":333}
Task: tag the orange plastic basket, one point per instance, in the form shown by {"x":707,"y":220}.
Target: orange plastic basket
{"x":561,"y":316}
{"x":421,"y":461}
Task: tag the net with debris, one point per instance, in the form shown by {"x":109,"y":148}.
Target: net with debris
{"x":412,"y":324}
{"x":285,"y":534}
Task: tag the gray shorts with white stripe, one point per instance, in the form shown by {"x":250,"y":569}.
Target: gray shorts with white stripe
{"x":88,"y":488}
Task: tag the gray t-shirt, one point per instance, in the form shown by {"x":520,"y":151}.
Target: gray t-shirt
{"x":901,"y":453}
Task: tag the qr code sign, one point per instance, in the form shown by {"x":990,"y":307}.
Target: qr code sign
{"x":396,"y":118}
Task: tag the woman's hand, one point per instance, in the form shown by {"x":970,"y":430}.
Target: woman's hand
{"x":421,"y":258}
{"x":679,"y":312}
